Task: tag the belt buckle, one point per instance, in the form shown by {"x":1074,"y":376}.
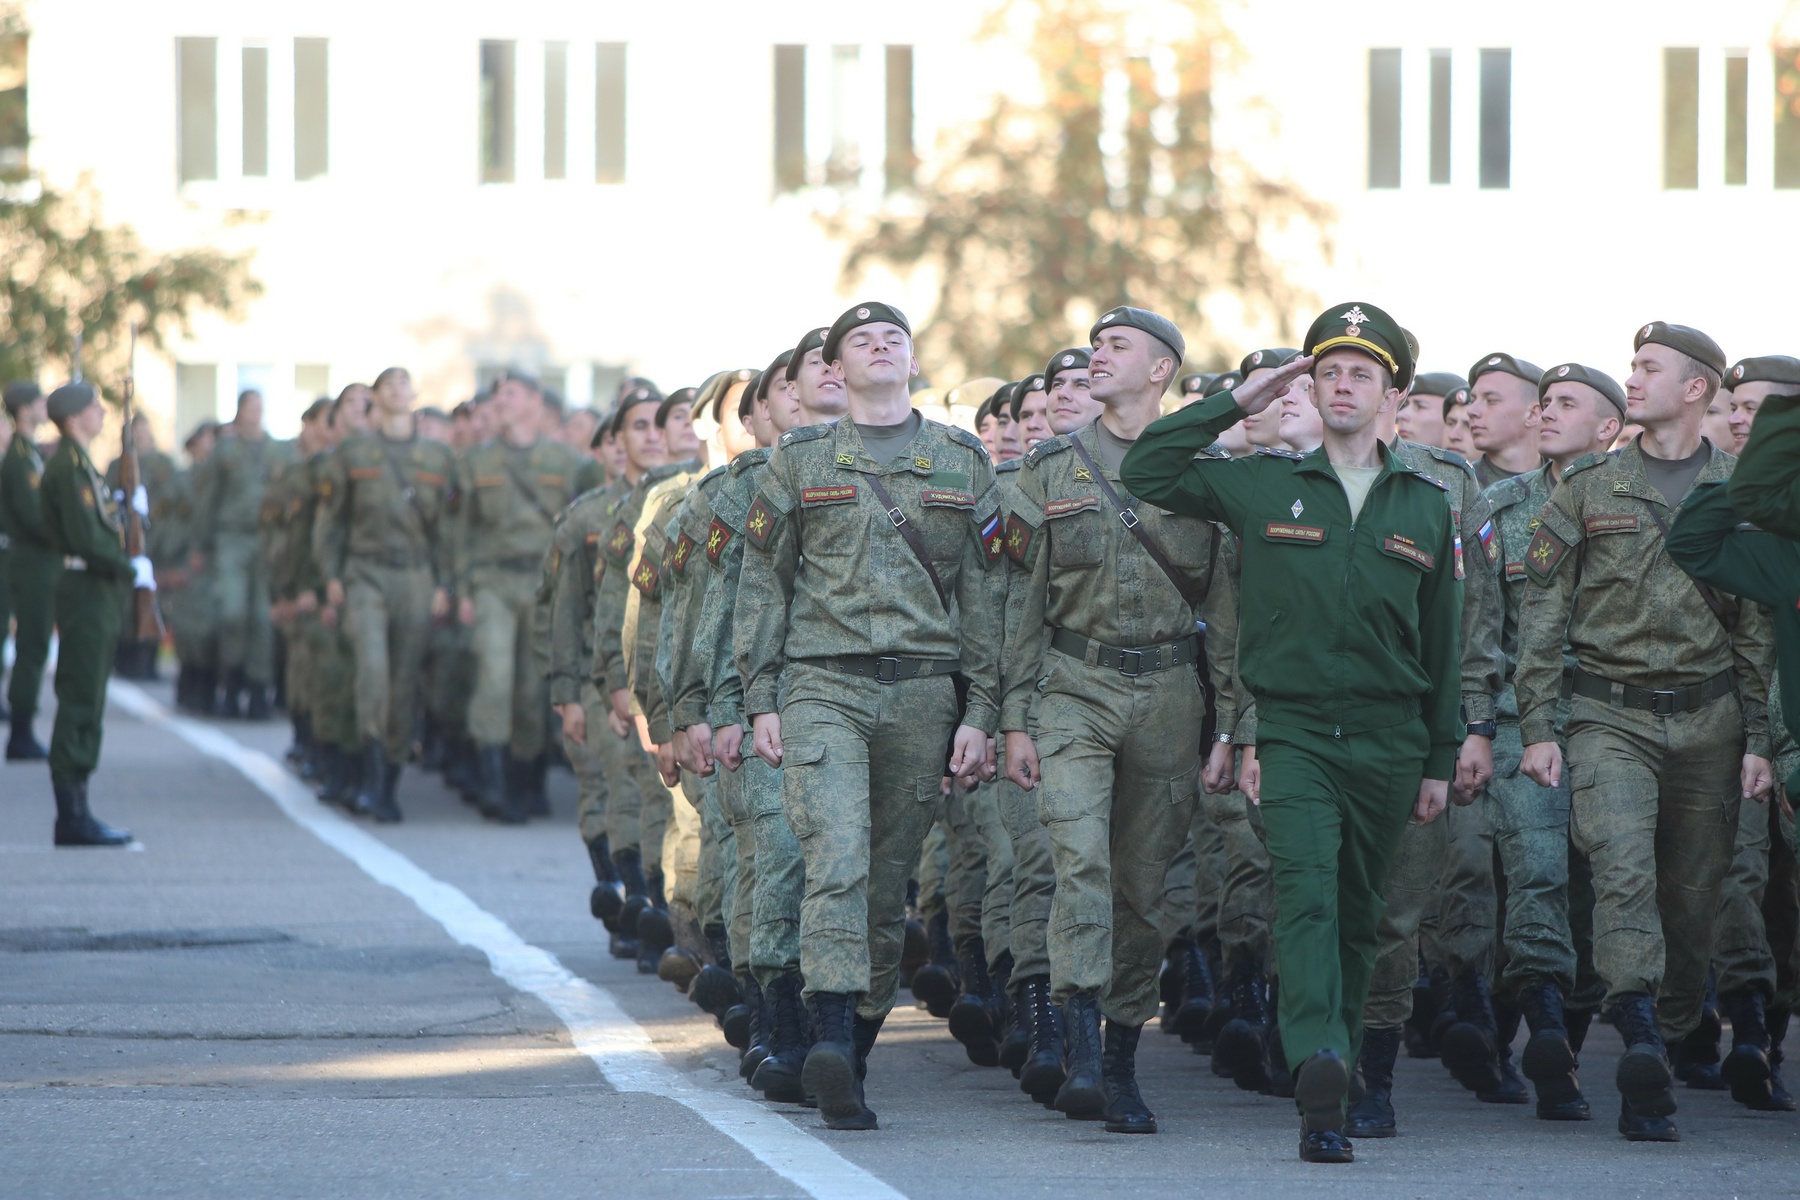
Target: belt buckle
{"x":1662,"y":704}
{"x":1129,"y":517}
{"x":896,"y":516}
{"x":1137,"y":664}
{"x":893,"y":670}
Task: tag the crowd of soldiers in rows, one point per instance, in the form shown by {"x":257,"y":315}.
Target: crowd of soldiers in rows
{"x":858,"y":700}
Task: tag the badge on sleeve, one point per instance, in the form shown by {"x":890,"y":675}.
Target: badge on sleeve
{"x":991,"y":541}
{"x":1488,"y":542}
{"x":1018,"y":539}
{"x":716,"y":537}
{"x":1544,"y":553}
{"x":684,"y":548}
{"x":759,"y":524}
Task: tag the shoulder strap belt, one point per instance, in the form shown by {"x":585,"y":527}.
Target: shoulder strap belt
{"x":506,"y":464}
{"x":1130,"y":520}
{"x":1706,"y":592}
{"x":911,"y":535}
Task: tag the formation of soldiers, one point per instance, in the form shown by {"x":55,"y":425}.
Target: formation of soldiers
{"x":1317,"y":711}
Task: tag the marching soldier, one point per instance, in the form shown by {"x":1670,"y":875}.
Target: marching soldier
{"x":32,"y":569}
{"x":286,"y":528}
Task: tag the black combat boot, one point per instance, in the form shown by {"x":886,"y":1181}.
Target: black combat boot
{"x":296,"y":752}
{"x":740,"y":1021}
{"x":491,"y":762}
{"x":1549,"y":1059}
{"x":1780,"y":1100}
{"x":1644,"y":1078}
{"x":915,"y":949}
{"x":1194,"y":1002}
{"x":1281,"y":1080}
{"x":1443,"y":1011}
{"x":1578,"y":1021}
{"x":1319,"y":1089}
{"x":1241,"y":1049}
{"x":1044,"y":1070}
{"x":1015,"y":1039}
{"x":1470,"y":1048}
{"x":1695,"y":1058}
{"x":778,"y":1076}
{"x":971,"y":1021}
{"x":833,"y":1069}
{"x":1372,"y":1116}
{"x":1512,"y":1089}
{"x":631,"y":878}
{"x":715,"y":989}
{"x":761,"y":1027}
{"x":1168,"y":983}
{"x":608,"y":898}
{"x":256,"y":702}
{"x":1125,"y":1110}
{"x":1746,"y":1069}
{"x":656,"y":933}
{"x":23,"y":745}
{"x":461,"y":775}
{"x":75,"y":825}
{"x":515,"y":782}
{"x":371,"y":779}
{"x":678,"y":966}
{"x":206,"y":692}
{"x":534,"y":797}
{"x":1082,"y":1096}
{"x":935,"y":983}
{"x":338,"y":783}
{"x":231,"y":696}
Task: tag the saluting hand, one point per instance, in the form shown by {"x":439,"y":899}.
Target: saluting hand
{"x":1021,"y":759}
{"x":1432,"y":796}
{"x":1258,"y":394}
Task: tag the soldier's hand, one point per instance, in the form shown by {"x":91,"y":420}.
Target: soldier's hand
{"x":700,"y":748}
{"x":328,"y":617}
{"x":306,"y":603}
{"x":620,"y":729}
{"x":1432,"y":795}
{"x":968,"y":751}
{"x":621,"y":703}
{"x":440,"y":604}
{"x":334,"y":592}
{"x":1250,"y":776}
{"x":1258,"y":394}
{"x":665,"y":765}
{"x":643,"y":732}
{"x":1758,"y":778}
{"x":1474,"y":767}
{"x":766,"y":737}
{"x":1215,"y":775}
{"x":1021,"y":759}
{"x":574,"y":722}
{"x":728,"y":746}
{"x":465,"y":611}
{"x":1542,"y":764}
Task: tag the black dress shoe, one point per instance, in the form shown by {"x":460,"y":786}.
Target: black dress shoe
{"x":1325,"y":1146}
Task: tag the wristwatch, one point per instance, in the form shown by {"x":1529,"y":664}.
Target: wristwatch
{"x":1224,"y":739}
{"x":1486,"y":729}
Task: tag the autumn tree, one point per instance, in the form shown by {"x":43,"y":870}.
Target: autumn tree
{"x":1107,"y":188}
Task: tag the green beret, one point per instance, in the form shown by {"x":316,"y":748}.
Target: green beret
{"x":1195,"y":384}
{"x":814,"y":340}
{"x":70,"y":399}
{"x":855,"y":318}
{"x":1024,"y":388}
{"x":991,"y":407}
{"x":21,"y":392}
{"x":747,"y":397}
{"x":1770,"y":368}
{"x":712,"y":392}
{"x":1154,"y":324}
{"x":1223,"y":383}
{"x":1075,"y":358}
{"x":674,"y":400}
{"x":1687,"y":340}
{"x":641,"y":394}
{"x":1277,"y":356}
{"x":1438,"y":383}
{"x":1506,"y":364}
{"x":775,"y":370}
{"x":1600,"y":381}
{"x":1455,"y":398}
{"x":1368,"y":329}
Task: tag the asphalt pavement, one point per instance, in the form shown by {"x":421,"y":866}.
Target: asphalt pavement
{"x":264,"y":999}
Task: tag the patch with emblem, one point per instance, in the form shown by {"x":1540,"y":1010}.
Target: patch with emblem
{"x":921,"y":464}
{"x":554,"y":481}
{"x":482,"y":481}
{"x":1405,"y":548}
{"x":1621,"y":487}
{"x":947,"y":497}
{"x":1083,"y":475}
{"x":1546,"y":550}
{"x":991,"y":540}
{"x":1018,"y":539}
{"x":643,"y":577}
{"x":593,"y":539}
{"x":828,"y":495}
{"x":846,"y":459}
{"x":1456,"y":544}
{"x":684,"y":549}
{"x":1057,"y":508}
{"x":716,"y":537}
{"x":621,"y":541}
{"x":1515,"y":571}
{"x":431,"y":478}
{"x":759,"y":523}
{"x":1489,"y":544}
{"x":1283,"y":531}
{"x":1616,"y":523}
{"x":324,"y":489}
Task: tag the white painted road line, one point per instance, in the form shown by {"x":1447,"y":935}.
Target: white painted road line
{"x":599,"y":1028}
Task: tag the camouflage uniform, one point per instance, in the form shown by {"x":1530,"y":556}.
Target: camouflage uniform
{"x":228,"y":498}
{"x":185,"y":600}
{"x":837,"y":604}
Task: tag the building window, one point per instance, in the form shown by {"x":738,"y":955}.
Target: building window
{"x":312,"y":381}
{"x":844,"y":164}
{"x":1681,"y":118}
{"x":1737,"y":119}
{"x":1496,"y":119}
{"x":1787,"y":117}
{"x":609,"y":112}
{"x":196,"y":395}
{"x":311,"y":108}
{"x":497,"y":112}
{"x":1384,"y":118}
{"x":556,"y":110}
{"x":790,"y":118}
{"x":197,"y":125}
{"x":256,"y":111}
{"x":15,"y":128}
{"x":1440,"y":116}
{"x":901,"y":162}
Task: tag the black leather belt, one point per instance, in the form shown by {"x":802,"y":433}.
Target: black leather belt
{"x":1132,"y":661}
{"x":531,"y":562}
{"x":1663,"y":703}
{"x":889,"y":670}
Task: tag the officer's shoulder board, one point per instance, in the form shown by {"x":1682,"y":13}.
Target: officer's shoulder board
{"x":1045,"y":449}
{"x":1214,"y":451}
{"x":1009,"y":466}
{"x":755,"y":456}
{"x":1280,"y":452}
{"x":804,"y":433}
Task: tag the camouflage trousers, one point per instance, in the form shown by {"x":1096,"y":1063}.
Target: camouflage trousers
{"x":451,"y":668}
{"x":387,"y":615}
{"x":1741,"y":949}
{"x":770,"y":879}
{"x":714,"y":890}
{"x":934,"y":872}
{"x":240,"y":585}
{"x":1654,"y":806}
{"x":511,"y":696}
{"x":1033,"y":880}
{"x":682,"y":842}
{"x":333,"y":700}
{"x":860,"y":780}
{"x":1120,"y":762}
{"x":981,"y":868}
{"x":1531,"y":834}
{"x":629,"y":776}
{"x":1246,"y":894}
{"x":188,"y":612}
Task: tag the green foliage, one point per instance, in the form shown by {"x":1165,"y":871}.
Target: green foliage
{"x":1107,"y":188}
{"x":66,"y":271}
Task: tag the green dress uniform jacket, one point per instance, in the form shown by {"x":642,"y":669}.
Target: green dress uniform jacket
{"x":1765,"y":488}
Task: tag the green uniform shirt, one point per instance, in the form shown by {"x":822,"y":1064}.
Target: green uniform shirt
{"x":572,"y":568}
{"x":683,"y":662}
{"x":21,"y":512}
{"x":229,"y":485}
{"x":1513,"y":505}
{"x":1346,"y":626}
{"x":507,"y":499}
{"x":617,"y":551}
{"x":723,"y":549}
{"x":80,"y":516}
{"x":388,"y":501}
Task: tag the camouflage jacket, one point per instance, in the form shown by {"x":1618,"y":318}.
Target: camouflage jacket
{"x":229,"y":485}
{"x":388,"y":501}
{"x":723,"y":548}
{"x":507,"y":500}
{"x":827,"y":571}
{"x":640,"y":628}
{"x":1513,"y":507}
{"x":572,"y":567}
{"x":683,"y":662}
{"x":617,"y":549}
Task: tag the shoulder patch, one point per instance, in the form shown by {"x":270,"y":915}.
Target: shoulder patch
{"x":1280,"y":452}
{"x":684,"y":549}
{"x":1011,"y":464}
{"x":759,"y":523}
{"x":993,"y":543}
{"x":1018,"y":538}
{"x":805,"y":433}
{"x":1045,"y":449}
{"x":643,"y":576}
{"x":1544,"y":554}
{"x":716,"y":538}
{"x":1490,"y":545}
{"x":621,"y":541}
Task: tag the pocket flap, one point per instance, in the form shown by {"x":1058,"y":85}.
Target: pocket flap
{"x":802,"y":754}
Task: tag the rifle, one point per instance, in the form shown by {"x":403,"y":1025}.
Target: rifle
{"x":146,"y":621}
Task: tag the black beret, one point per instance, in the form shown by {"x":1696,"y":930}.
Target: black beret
{"x":1195,"y":384}
{"x":854,"y":318}
{"x":775,"y":370}
{"x":674,"y":399}
{"x":1770,"y":368}
{"x":1274,"y":357}
{"x":1022,"y":389}
{"x":1075,"y":358}
{"x":21,"y":392}
{"x":1506,"y":364}
{"x":1687,"y":340}
{"x":712,"y":392}
{"x":1223,"y":383}
{"x":1154,"y":324}
{"x":642,"y":394}
{"x":1454,"y":398}
{"x":1600,"y":381}
{"x":1437,"y":383}
{"x":814,"y":340}
{"x":70,"y":399}
{"x":1369,"y":329}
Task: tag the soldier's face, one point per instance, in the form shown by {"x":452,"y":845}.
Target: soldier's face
{"x":1034,"y":418}
{"x":875,"y":356}
{"x":578,"y":430}
{"x":1125,"y":363}
{"x":33,"y":414}
{"x":1573,"y":420}
{"x":1421,"y":419}
{"x":1659,"y":389}
{"x":679,"y":439}
{"x":641,"y":438}
{"x":820,"y":391}
{"x":1456,"y":431}
{"x":1503,"y":412}
{"x":1072,"y":402}
{"x":782,"y":406}
{"x":87,"y":423}
{"x":250,"y":409}
{"x":395,"y":393}
{"x":1264,"y":428}
{"x":1301,"y":425}
{"x":517,"y":405}
{"x":1746,"y":399}
{"x":201,"y":448}
{"x":1351,"y":389}
{"x":1006,"y":437}
{"x":1715,"y":426}
{"x":612,"y":455}
{"x":353,"y":413}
